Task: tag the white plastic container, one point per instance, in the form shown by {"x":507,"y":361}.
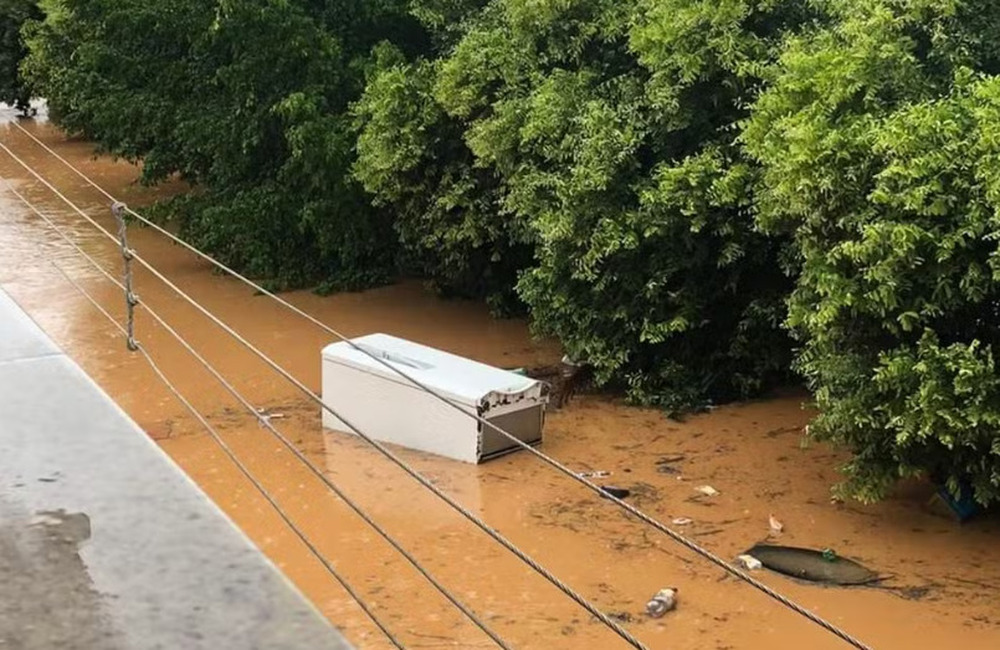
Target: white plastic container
{"x":388,"y":408}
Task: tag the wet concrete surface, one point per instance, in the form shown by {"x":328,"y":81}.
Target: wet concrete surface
{"x":942,"y":583}
{"x":104,"y":543}
{"x":48,"y":599}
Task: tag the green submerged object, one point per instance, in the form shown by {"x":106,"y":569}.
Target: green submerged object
{"x":815,"y":566}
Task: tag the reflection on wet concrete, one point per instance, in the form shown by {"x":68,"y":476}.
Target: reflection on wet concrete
{"x":47,"y":599}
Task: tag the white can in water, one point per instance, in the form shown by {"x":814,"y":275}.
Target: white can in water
{"x":664,"y":601}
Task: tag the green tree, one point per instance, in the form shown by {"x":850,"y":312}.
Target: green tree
{"x":612,"y":126}
{"x":247,"y":99}
{"x":879,"y":140}
{"x":413,"y":159}
{"x":13,"y":15}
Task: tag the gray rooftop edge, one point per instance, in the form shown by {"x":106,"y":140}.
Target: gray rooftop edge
{"x":105,"y":544}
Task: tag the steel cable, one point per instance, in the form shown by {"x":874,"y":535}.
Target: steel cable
{"x":426,"y":483}
{"x":236,"y":461}
{"x":267,"y":423}
{"x":642,"y":516}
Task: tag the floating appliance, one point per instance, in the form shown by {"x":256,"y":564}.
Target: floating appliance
{"x":389,"y":408}
{"x":812,"y":565}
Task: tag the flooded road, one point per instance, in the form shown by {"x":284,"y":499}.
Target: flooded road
{"x":943,"y":585}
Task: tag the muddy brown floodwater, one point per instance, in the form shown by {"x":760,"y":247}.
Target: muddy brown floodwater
{"x":942,"y":579}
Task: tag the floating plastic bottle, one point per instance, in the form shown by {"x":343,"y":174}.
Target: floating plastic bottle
{"x":664,"y":601}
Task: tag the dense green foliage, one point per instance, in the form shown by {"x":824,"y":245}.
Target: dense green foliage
{"x":600,"y":132}
{"x":413,"y":159}
{"x":669,"y":187}
{"x":13,"y":15}
{"x":248,"y":99}
{"x":880,"y":139}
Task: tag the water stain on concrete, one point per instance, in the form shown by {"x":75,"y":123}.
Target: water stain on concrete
{"x":47,"y":598}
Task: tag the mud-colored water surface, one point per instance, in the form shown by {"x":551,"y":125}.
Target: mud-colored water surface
{"x":942,"y":579}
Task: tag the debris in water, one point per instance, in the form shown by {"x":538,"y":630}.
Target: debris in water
{"x":562,"y":379}
{"x":597,"y":474}
{"x":816,"y":566}
{"x":572,"y":374}
{"x":707,"y":490}
{"x":682,"y":521}
{"x":666,"y":465}
{"x":664,"y":601}
{"x":776,"y":526}
{"x":621,"y":617}
{"x":617,"y":492}
{"x":266,"y":415}
{"x":749,"y":562}
{"x":962,"y":506}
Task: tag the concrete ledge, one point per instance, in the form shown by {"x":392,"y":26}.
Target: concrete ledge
{"x":104,"y":542}
{"x":20,"y":337}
